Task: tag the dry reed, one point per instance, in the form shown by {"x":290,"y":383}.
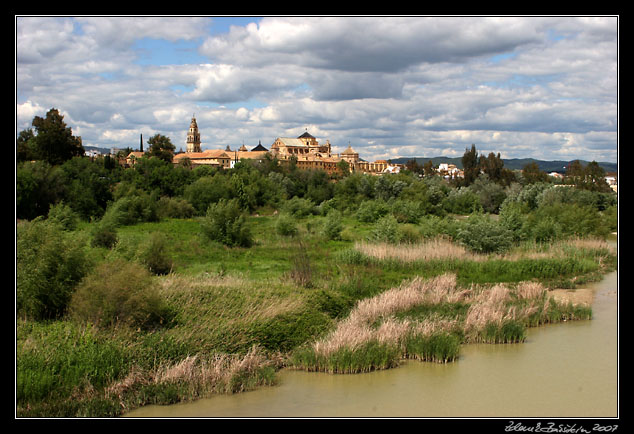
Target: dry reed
{"x":357,"y":329}
{"x":201,"y":377}
{"x":434,"y":249}
{"x":442,"y":248}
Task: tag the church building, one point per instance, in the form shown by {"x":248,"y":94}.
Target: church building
{"x":193,"y":137}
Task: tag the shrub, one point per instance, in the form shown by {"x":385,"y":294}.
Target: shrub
{"x":207,"y":190}
{"x":104,"y":234}
{"x":409,"y":233}
{"x":545,"y":229}
{"x":371,"y":210}
{"x":129,"y":210}
{"x":480,"y":234}
{"x":119,"y":292}
{"x":513,"y":219}
{"x":225,"y":223}
{"x":289,"y":330}
{"x":462,"y":200}
{"x":299,"y":207}
{"x":286,"y":225}
{"x":333,"y":226}
{"x":155,"y":255}
{"x":385,"y":230}
{"x":64,"y":216}
{"x":173,"y":207}
{"x":50,"y":263}
{"x":406,"y":211}
{"x":301,"y":271}
{"x":433,"y":226}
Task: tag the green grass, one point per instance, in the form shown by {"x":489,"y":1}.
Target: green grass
{"x":228,"y":300}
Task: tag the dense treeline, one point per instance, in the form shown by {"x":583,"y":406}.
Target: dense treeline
{"x":155,"y":188}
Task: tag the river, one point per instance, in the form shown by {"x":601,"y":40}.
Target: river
{"x":567,"y":370}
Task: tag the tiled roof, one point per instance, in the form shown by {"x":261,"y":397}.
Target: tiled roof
{"x":209,"y":153}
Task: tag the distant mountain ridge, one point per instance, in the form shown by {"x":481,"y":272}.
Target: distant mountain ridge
{"x":510,"y":163}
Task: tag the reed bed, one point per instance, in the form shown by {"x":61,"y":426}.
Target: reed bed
{"x":372,"y":337}
{"x":441,"y":248}
{"x":196,"y":377}
{"x":434,"y":249}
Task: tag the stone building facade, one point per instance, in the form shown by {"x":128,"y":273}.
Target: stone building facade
{"x":305,"y":151}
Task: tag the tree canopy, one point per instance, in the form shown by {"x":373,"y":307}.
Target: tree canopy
{"x":52,"y":141}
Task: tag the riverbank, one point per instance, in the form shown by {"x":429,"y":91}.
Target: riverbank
{"x":239,"y":316}
{"x":527,"y":380}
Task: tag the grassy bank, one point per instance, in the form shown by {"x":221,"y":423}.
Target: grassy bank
{"x":235,"y":315}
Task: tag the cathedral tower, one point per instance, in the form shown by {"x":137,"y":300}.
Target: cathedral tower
{"x":193,"y":137}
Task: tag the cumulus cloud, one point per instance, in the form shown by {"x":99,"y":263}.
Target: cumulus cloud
{"x":415,"y":86}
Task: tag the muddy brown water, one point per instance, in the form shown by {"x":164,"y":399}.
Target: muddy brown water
{"x":561,"y":370}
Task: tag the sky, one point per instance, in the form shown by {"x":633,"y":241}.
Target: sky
{"x":543,"y":87}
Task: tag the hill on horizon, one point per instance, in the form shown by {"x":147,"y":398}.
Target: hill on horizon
{"x":511,"y":163}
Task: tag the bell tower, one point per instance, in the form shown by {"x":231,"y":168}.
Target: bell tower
{"x":193,"y":137}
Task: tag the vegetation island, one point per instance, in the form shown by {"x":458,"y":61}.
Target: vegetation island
{"x":156,"y":278}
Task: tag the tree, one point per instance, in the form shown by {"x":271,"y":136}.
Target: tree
{"x":492,"y":166}
{"x":54,"y":141}
{"x":428,"y":168}
{"x":595,"y":178}
{"x":591,"y":177}
{"x":25,"y":146}
{"x":344,"y":168}
{"x":470,"y":165}
{"x":413,"y":166}
{"x":161,"y":147}
{"x":533,"y":174}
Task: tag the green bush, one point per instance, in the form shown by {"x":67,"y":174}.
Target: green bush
{"x":174,"y":207}
{"x":286,"y":225}
{"x":208,"y":190}
{"x":129,"y":210}
{"x":432,"y":226}
{"x":406,"y":211}
{"x":104,"y":234}
{"x":545,"y":229}
{"x":225,"y":223}
{"x":482,"y":235}
{"x":290,"y":330}
{"x":371,"y":210}
{"x":50,"y":263}
{"x":155,"y":255}
{"x":386,"y":230}
{"x":119,"y":292}
{"x":300,"y":207}
{"x":334,"y":225}
{"x":64,"y":216}
{"x":462,"y":200}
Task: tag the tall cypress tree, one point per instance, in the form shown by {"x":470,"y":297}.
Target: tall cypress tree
{"x":470,"y":165}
